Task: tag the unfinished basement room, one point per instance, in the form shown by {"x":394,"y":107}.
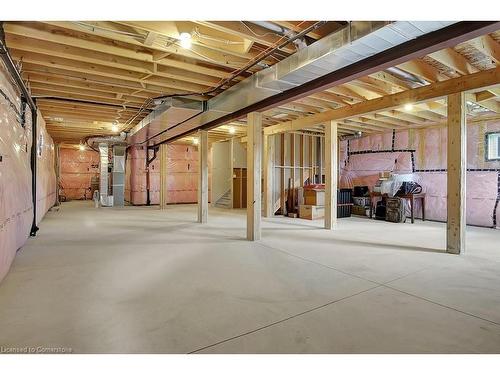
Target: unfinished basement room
{"x":251,"y":187}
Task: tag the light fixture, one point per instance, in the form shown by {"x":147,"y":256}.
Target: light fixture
{"x":114,"y":128}
{"x":185,"y":40}
{"x":81,"y":147}
{"x":232,"y":130}
{"x":408,"y":107}
{"x":195,"y":141}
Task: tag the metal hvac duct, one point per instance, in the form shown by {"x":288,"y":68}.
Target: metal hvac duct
{"x":119,"y":175}
{"x":347,"y":46}
{"x":103,"y":175}
{"x":109,"y":140}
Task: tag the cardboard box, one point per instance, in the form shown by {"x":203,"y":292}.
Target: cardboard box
{"x":314,"y":197}
{"x":311,"y":212}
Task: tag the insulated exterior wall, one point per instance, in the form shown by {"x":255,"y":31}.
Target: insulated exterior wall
{"x":16,"y":206}
{"x":182,"y":184}
{"x":428,"y":146}
{"x":77,"y":169}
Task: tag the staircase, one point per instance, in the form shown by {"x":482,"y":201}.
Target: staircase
{"x":224,"y":201}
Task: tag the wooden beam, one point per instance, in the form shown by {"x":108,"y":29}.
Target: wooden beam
{"x":422,"y":45}
{"x":292,"y":170}
{"x":331,"y":174}
{"x":457,"y":169}
{"x":301,"y":160}
{"x":254,"y":174}
{"x":282,"y":175}
{"x":150,"y":38}
{"x":163,"y":176}
{"x":454,"y":60}
{"x":248,"y":31}
{"x":203,"y":176}
{"x":196,"y":52}
{"x":436,"y":90}
{"x":268,"y":155}
{"x":104,"y":49}
{"x":488,"y":46}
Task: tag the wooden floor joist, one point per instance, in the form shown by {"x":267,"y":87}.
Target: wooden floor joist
{"x":478,"y":80}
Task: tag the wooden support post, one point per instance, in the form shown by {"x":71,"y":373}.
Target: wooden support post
{"x":331,"y":171}
{"x":292,"y":170}
{"x":203,"y":176}
{"x":163,"y":175}
{"x":312,"y":153}
{"x":302,"y":165}
{"x":268,"y":155}
{"x":57,"y":165}
{"x":232,"y":174}
{"x":319,"y":153}
{"x":282,"y":176}
{"x":457,"y":169}
{"x":254,"y":175}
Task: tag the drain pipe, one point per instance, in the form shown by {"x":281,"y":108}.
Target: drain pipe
{"x":26,"y":97}
{"x":148,"y":177}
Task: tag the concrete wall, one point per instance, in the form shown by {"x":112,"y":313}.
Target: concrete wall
{"x":182,"y":175}
{"x":16,"y":207}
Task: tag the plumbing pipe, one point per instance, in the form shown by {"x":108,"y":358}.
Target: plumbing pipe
{"x":148,"y":162}
{"x":25,"y":96}
{"x":271,"y":26}
{"x":406,"y":76}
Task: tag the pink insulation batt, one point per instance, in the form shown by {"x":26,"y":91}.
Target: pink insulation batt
{"x":182,"y":175}
{"x":16,"y":208}
{"x":77,"y":169}
{"x":429,"y":168}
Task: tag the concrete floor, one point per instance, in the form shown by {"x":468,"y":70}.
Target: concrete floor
{"x":141,"y":280}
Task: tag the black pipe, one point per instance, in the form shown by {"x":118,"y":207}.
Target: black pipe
{"x":11,"y":67}
{"x":34,"y":147}
{"x":148,"y":162}
{"x":26,"y":97}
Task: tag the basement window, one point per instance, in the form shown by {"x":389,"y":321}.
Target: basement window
{"x":492,"y":146}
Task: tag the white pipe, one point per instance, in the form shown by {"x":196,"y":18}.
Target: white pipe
{"x":270,"y":26}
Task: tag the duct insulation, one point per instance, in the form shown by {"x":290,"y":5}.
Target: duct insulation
{"x":331,"y":53}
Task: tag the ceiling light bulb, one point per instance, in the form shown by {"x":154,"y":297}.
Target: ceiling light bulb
{"x":232,"y":130}
{"x":195,"y":141}
{"x":82,"y":147}
{"x":408,"y":107}
{"x":185,"y":40}
{"x":114,"y":128}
